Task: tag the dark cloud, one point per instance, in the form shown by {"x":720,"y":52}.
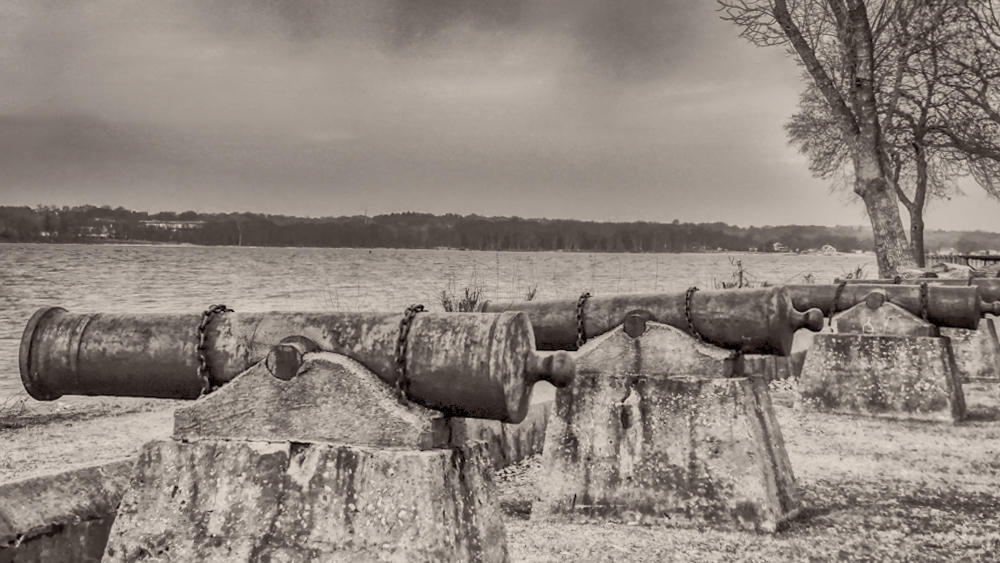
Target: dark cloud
{"x":596,"y":109}
{"x":415,"y":22}
{"x":638,"y":39}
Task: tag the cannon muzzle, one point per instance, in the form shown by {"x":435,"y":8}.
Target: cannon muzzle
{"x":752,"y":321}
{"x":471,"y":365}
{"x":943,"y":305}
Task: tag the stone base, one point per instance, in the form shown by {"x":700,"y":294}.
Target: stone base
{"x":977,"y":352}
{"x":63,"y":517}
{"x":903,"y":377}
{"x":663,"y":449}
{"x":258,"y":501}
{"x":506,"y":444}
{"x":768,"y":368}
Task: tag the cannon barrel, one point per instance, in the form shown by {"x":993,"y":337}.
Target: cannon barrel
{"x":752,"y":321}
{"x":989,"y":288}
{"x":956,"y":307}
{"x":472,"y":365}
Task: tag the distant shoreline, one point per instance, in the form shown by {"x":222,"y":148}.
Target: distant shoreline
{"x":193,"y":245}
{"x":103,"y":225}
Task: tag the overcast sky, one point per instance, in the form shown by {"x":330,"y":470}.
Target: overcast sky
{"x":615,"y":110}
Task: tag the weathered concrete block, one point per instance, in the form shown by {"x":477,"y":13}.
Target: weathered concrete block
{"x":62,"y":517}
{"x":769,"y":368}
{"x":311,"y":407}
{"x":632,"y":440}
{"x":505,"y":444}
{"x":877,"y":316}
{"x":905,"y":377}
{"x":258,"y":501}
{"x":977,"y":352}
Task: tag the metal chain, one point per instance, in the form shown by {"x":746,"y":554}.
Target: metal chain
{"x":581,"y":335}
{"x":687,"y":312}
{"x":206,"y":381}
{"x":924,"y":298}
{"x":402,"y":381}
{"x":836,"y":297}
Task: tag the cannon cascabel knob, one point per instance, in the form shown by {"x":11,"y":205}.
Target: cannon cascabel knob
{"x":558,"y":368}
{"x":812,"y":319}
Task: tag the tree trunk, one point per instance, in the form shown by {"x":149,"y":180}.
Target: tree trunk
{"x":872,"y":181}
{"x":919,"y":202}
{"x":917,"y":238}
{"x":891,"y":249}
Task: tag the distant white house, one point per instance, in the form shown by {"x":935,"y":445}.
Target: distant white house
{"x":828,"y":249}
{"x":99,"y":231}
{"x":173,"y":225}
{"x":778,"y":247}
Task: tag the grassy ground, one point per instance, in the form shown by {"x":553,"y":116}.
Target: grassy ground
{"x":873,"y":489}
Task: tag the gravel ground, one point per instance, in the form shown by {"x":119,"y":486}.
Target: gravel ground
{"x":873,"y":489}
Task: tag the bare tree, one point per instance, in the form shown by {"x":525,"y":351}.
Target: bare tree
{"x":935,"y":67}
{"x":836,"y":41}
{"x":971,"y":79}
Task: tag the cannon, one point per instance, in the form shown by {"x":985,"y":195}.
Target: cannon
{"x":989,"y":288}
{"x":942,"y":305}
{"x":468,"y":365}
{"x":751,"y":321}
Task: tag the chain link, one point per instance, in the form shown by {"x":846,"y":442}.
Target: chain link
{"x":402,"y":379}
{"x":836,"y":298}
{"x":924,"y":298}
{"x":581,"y":335}
{"x":206,"y":317}
{"x":687,"y":312}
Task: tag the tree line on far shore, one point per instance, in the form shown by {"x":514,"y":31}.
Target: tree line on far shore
{"x":90,"y":224}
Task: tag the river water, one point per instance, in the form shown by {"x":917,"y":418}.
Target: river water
{"x":186,"y":279}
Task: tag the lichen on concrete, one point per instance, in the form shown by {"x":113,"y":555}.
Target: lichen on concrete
{"x":977,"y":352}
{"x":905,"y":377}
{"x":684,"y":449}
{"x":61,"y":517}
{"x":255,"y":502}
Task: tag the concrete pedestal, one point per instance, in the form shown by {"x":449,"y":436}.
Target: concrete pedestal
{"x":327,"y":466}
{"x":638,"y":437}
{"x":259,"y":501}
{"x":61,"y":518}
{"x":977,"y":352}
{"x":505,"y":444}
{"x":897,"y":376}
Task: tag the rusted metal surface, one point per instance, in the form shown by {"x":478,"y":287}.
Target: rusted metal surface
{"x":463,"y":364}
{"x":753,"y":321}
{"x":989,"y":288}
{"x":957,"y":307}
